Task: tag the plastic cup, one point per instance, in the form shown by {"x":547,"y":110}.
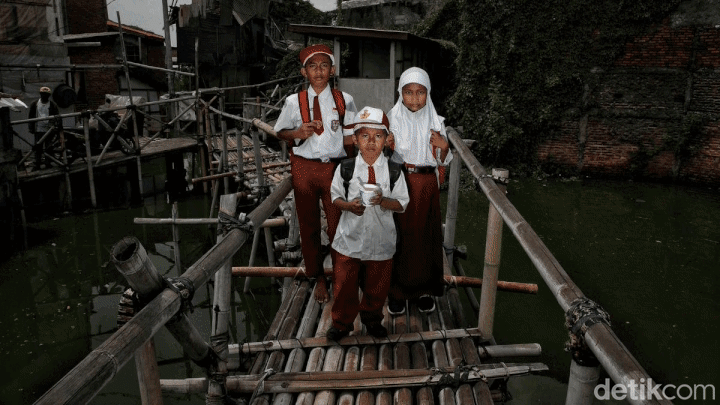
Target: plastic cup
{"x":367,"y":191}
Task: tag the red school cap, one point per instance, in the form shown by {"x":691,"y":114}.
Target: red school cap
{"x":313,"y":50}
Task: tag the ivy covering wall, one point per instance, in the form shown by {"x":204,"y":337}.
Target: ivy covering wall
{"x":523,"y":65}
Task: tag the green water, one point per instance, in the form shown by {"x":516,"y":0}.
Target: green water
{"x":647,"y":253}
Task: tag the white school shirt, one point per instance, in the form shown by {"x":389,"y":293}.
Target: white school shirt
{"x":328,"y":144}
{"x":371,"y":236}
{"x":414,"y":148}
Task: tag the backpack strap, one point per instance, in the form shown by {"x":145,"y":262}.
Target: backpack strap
{"x":395,"y":170}
{"x":347,"y":169}
{"x":304,"y":106}
{"x":339,"y":103}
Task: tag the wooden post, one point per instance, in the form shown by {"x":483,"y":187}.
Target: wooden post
{"x":176,"y":238}
{"x":204,"y":154}
{"x":132,"y":106}
{"x":223,"y":131}
{"x":582,"y":383}
{"x":452,"y":207}
{"x":131,"y":259}
{"x":261,"y":187}
{"x":140,"y":273}
{"x":168,"y":63}
{"x":221,"y":310}
{"x":493,"y":245}
{"x":66,"y":166}
{"x":88,"y":158}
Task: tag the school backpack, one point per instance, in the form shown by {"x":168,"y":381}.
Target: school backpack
{"x":347,"y":169}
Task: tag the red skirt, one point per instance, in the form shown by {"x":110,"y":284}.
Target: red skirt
{"x":418,"y":261}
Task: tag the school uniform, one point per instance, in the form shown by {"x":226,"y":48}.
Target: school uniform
{"x":418,"y":265}
{"x":313,"y":163}
{"x":368,"y":240}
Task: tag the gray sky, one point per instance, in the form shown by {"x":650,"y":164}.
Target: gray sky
{"x":147,"y":14}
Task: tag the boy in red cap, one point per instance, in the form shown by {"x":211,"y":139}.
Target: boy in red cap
{"x":368,"y":189}
{"x":316,"y":124}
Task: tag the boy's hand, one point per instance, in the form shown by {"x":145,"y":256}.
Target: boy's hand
{"x":356,"y":207}
{"x":308,"y":129}
{"x":377,"y":197}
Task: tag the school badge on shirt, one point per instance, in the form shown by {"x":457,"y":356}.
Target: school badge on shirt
{"x":334,"y":125}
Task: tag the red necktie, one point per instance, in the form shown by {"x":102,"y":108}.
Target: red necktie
{"x":317,"y":115}
{"x":371,"y":175}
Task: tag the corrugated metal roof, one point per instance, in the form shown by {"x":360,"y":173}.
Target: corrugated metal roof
{"x":136,"y":31}
{"x":329,"y":32}
{"x":77,"y":37}
{"x":12,"y":103}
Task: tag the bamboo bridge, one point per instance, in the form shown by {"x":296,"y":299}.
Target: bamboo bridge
{"x":441,"y":357}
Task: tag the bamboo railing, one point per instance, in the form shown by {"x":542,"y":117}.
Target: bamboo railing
{"x":86,"y":379}
{"x":614,"y":357}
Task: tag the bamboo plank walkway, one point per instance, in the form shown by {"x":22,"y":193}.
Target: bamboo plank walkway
{"x":158,"y":147}
{"x":430,"y":358}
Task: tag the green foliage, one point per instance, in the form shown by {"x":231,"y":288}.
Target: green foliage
{"x":523,"y":63}
{"x":297,"y":12}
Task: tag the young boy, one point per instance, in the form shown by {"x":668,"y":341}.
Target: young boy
{"x":316,"y":122}
{"x":366,"y":234}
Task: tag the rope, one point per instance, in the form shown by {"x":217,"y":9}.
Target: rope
{"x":582,"y":314}
{"x":228,"y":222}
{"x":261,"y":384}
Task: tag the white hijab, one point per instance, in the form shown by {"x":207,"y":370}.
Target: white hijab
{"x":412,"y":129}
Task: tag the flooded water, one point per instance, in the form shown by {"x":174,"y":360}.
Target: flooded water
{"x":649,"y":254}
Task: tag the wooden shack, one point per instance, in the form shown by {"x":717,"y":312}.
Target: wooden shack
{"x":369,"y":62}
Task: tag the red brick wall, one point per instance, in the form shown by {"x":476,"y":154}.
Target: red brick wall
{"x":98,"y":82}
{"x":86,"y":16}
{"x":643,"y":104}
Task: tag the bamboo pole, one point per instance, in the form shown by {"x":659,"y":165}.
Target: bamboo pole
{"x":88,"y":155}
{"x":223,"y":131}
{"x":493,"y":247}
{"x":300,"y":272}
{"x":112,"y":136}
{"x":221,"y":310}
{"x":615,"y":358}
{"x":68,"y":185}
{"x":269,"y":223}
{"x":468,"y":291}
{"x":261,"y":185}
{"x":451,"y":209}
{"x":581,"y":384}
{"x":83,"y":382}
{"x":176,"y":236}
{"x":132,"y":105}
{"x":305,"y":382}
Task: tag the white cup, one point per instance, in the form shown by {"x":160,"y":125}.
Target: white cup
{"x":367,"y":191}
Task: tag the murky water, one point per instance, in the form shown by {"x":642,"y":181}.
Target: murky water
{"x":647,"y":253}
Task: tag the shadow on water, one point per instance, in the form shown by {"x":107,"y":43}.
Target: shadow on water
{"x":647,"y":253}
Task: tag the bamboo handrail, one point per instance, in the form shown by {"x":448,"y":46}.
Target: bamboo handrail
{"x":88,"y":377}
{"x":615,"y":358}
{"x":311,"y":342}
{"x":457,"y":281}
{"x":355,"y":380}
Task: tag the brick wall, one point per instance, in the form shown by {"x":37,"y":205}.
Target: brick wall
{"x":641,"y":108}
{"x":86,"y":16}
{"x":98,"y":82}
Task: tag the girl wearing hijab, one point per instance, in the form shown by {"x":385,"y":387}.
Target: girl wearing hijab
{"x":419,"y":141}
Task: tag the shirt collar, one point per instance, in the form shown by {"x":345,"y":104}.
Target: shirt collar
{"x":325,"y":92}
{"x":378,"y":161}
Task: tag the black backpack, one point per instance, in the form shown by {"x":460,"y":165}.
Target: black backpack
{"x":347,"y":169}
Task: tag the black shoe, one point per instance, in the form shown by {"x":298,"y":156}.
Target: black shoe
{"x":426,"y":303}
{"x":396,"y":307}
{"x":336,"y":334}
{"x":377,"y":330}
